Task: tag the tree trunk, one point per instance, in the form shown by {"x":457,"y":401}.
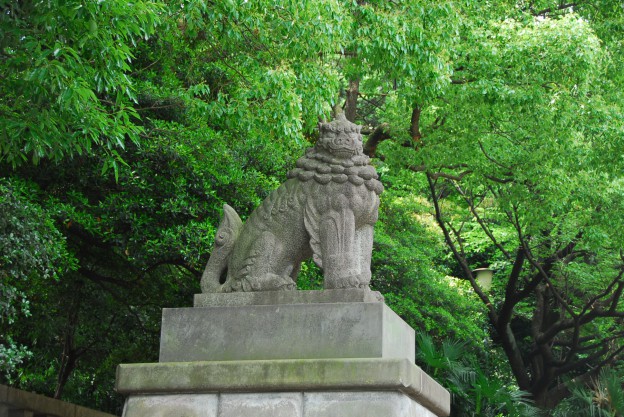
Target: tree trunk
{"x":68,"y":364}
{"x":352,"y":96}
{"x":514,"y":355}
{"x":69,"y":355}
{"x":415,"y":126}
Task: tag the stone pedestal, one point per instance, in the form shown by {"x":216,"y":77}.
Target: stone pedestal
{"x":332,"y":353}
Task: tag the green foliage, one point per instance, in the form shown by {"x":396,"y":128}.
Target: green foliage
{"x":31,"y":248}
{"x":524,"y":179}
{"x":136,"y":251}
{"x":414,"y":51}
{"x":66,"y":83}
{"x":251,"y":71}
{"x":604,"y":397}
{"x":522,"y":152}
{"x":475,"y":389}
{"x":141,"y":238}
{"x":409,"y":269}
{"x":501,"y":125}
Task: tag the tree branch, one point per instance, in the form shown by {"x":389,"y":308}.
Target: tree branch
{"x":437,"y":175}
{"x":462,"y":261}
{"x":542,"y":271}
{"x":462,"y":80}
{"x":499,"y":180}
{"x":560,"y":7}
{"x":484,"y":227}
{"x":580,"y":363}
{"x":350,"y":109}
{"x":511,"y":296}
{"x":415,"y":125}
{"x":494,"y":161}
{"x":592,"y":302}
{"x":374,"y":139}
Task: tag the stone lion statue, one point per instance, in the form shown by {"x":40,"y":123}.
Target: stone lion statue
{"x":325,"y":210}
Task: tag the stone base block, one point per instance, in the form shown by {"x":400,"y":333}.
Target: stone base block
{"x":282,"y":404}
{"x":285,"y":331}
{"x":187,"y":405}
{"x":333,"y":353}
{"x":310,"y":388}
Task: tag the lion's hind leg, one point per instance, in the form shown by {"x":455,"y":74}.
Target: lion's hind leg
{"x":260,"y":270}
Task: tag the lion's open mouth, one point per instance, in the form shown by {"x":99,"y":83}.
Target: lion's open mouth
{"x":343,"y":152}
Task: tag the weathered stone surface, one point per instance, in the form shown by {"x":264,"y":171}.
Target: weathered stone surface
{"x":362,"y":404}
{"x":290,"y":331}
{"x":350,"y":295}
{"x":181,"y":405}
{"x":19,"y":399}
{"x":285,"y":404}
{"x":282,"y":404}
{"x":399,"y":375}
{"x":88,"y":412}
{"x":20,"y":413}
{"x":15,"y":402}
{"x":325,"y":210}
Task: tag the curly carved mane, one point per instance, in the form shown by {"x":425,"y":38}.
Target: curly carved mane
{"x":319,"y":166}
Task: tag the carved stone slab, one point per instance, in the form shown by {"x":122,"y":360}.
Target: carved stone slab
{"x":285,"y":331}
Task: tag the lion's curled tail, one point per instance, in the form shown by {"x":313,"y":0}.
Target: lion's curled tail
{"x":226,"y":236}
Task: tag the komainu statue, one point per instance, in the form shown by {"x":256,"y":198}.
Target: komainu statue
{"x":325,"y":210}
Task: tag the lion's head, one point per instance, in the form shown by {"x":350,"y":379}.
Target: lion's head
{"x":337,"y":157}
{"x":340,"y":138}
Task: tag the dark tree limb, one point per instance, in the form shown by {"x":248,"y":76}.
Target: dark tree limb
{"x":560,"y":7}
{"x":594,"y":300}
{"x":562,"y":390}
{"x":438,"y":175}
{"x":415,"y":133}
{"x":353,"y":92}
{"x":462,"y":80}
{"x":499,"y":180}
{"x":461,"y":259}
{"x":511,"y":296}
{"x":539,"y":267}
{"x":490,"y":158}
{"x":484,"y":227}
{"x":374,"y":139}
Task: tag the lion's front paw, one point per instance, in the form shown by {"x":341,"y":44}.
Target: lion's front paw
{"x":361,"y":280}
{"x":268,"y":282}
{"x":365,"y":279}
{"x":350,"y":281}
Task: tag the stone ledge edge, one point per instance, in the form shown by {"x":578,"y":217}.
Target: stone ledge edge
{"x":351,"y":295}
{"x":285,"y":375}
